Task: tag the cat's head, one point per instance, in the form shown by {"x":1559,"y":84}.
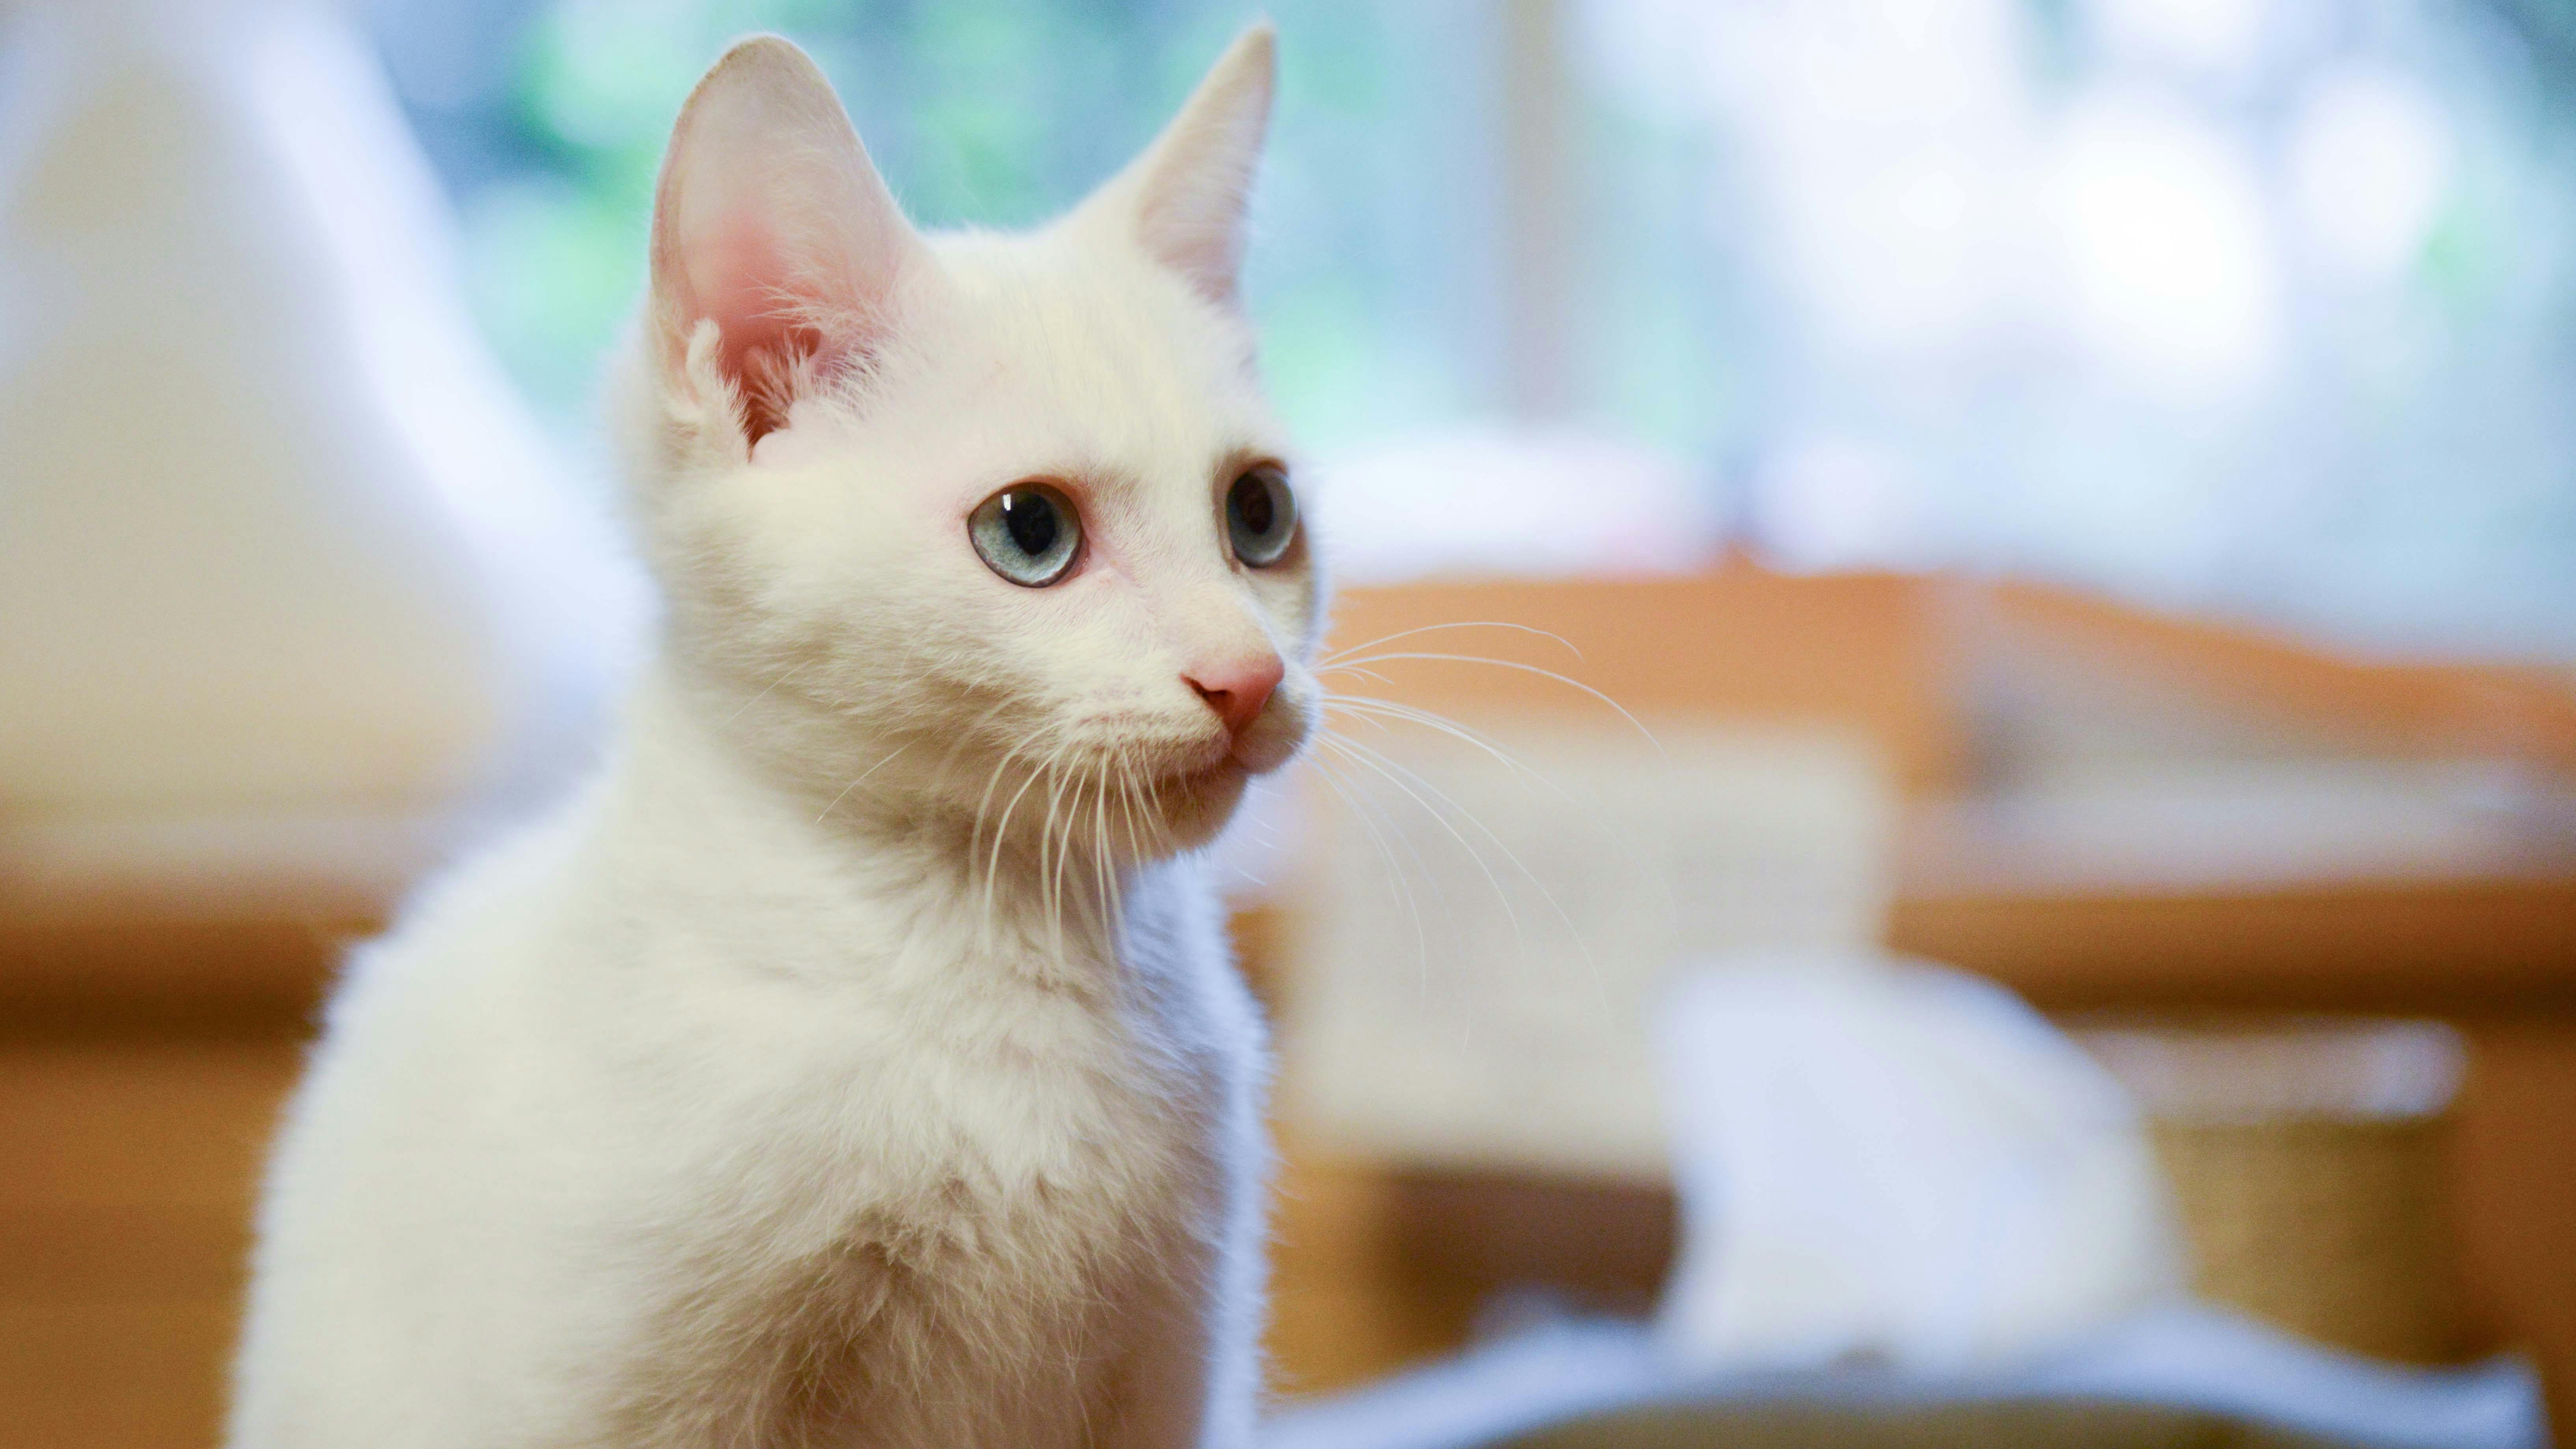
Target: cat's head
{"x":1000,"y":522}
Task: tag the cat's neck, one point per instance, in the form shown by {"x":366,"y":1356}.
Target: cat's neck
{"x":688,"y":810}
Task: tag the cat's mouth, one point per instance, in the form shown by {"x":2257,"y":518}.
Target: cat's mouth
{"x":1189,"y":782}
{"x":1208,"y":776}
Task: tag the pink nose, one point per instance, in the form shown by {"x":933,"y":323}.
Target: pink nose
{"x":1237,"y":688}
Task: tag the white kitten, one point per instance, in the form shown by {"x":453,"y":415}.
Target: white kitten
{"x":857,"y":1060}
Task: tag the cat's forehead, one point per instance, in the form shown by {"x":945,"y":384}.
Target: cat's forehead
{"x":1099,"y":353}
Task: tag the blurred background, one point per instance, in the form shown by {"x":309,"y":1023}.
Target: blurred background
{"x":2078,"y":491}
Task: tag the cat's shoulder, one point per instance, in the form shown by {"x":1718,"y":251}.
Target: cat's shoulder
{"x":489,"y":905}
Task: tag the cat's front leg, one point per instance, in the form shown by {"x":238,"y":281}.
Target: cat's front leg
{"x":1172,"y":1379}
{"x":1190,"y":1376}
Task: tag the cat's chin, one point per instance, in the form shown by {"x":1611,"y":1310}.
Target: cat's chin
{"x":1197,"y":804}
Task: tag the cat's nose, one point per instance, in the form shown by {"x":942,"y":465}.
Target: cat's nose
{"x":1237,"y":688}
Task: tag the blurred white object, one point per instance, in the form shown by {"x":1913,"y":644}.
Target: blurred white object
{"x":1493,"y":935}
{"x":1894,"y":1161}
{"x":274,"y":533}
{"x":1503,"y":500}
{"x":2340,"y":1071}
{"x":2185,"y":1355}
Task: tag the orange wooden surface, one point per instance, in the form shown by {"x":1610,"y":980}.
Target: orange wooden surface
{"x":2385,"y":705}
{"x":124,"y":1213}
{"x":1862,"y":651}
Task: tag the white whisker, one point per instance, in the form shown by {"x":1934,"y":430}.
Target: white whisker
{"x":854,"y":784}
{"x":1001,"y":833}
{"x":1357,"y":756}
{"x":1574,"y":932}
{"x":1395,"y":870}
{"x":1337,"y":656}
{"x":783,"y":677}
{"x":1569,"y":683}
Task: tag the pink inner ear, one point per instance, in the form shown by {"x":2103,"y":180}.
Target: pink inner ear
{"x":740,"y":276}
{"x":770,"y":223}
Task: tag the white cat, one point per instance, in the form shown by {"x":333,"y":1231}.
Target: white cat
{"x":857,"y":1060}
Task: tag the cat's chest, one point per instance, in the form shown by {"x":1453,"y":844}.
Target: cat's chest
{"x":919,"y":1207}
{"x":1046,"y":1093}
{"x":971,"y":1094}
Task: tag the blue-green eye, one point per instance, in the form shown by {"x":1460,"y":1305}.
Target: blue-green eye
{"x":1028,"y":533}
{"x":1261,"y":514}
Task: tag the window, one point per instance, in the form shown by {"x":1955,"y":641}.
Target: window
{"x":2256,"y":306}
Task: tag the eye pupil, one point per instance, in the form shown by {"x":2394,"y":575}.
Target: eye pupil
{"x":1029,"y":533}
{"x":1260,"y":515}
{"x":1031,"y":519}
{"x":1252,"y":504}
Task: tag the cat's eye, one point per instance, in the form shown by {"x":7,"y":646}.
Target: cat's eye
{"x":1028,"y":533}
{"x":1260,"y":514}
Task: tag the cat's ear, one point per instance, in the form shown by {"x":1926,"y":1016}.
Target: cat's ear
{"x":770,"y":222}
{"x":1185,"y":196}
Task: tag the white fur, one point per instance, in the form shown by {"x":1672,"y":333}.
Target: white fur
{"x":857,"y":1059}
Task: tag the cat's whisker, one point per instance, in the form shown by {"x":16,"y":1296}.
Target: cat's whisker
{"x":1502,"y":896}
{"x":764,"y":693}
{"x":1001,"y":835}
{"x":1104,"y":872}
{"x":1056,"y":875}
{"x":1099,"y":881}
{"x":1142,"y":824}
{"x":1581,"y":945}
{"x":959,"y":739}
{"x":1081,"y":856}
{"x":1051,"y":855}
{"x":1131,"y":805}
{"x":1118,"y":867}
{"x":1337,"y":656}
{"x":1341,"y":705}
{"x":975,"y":830}
{"x":1367,"y":707}
{"x":975,"y":836}
{"x":1069,"y":886}
{"x":1395,"y":868}
{"x":1377,"y":711}
{"x":1361,"y":670}
{"x":1394,"y":827}
{"x":1513,"y":664}
{"x":1127,"y":805}
{"x":1048,"y":855}
{"x":854,"y":784}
